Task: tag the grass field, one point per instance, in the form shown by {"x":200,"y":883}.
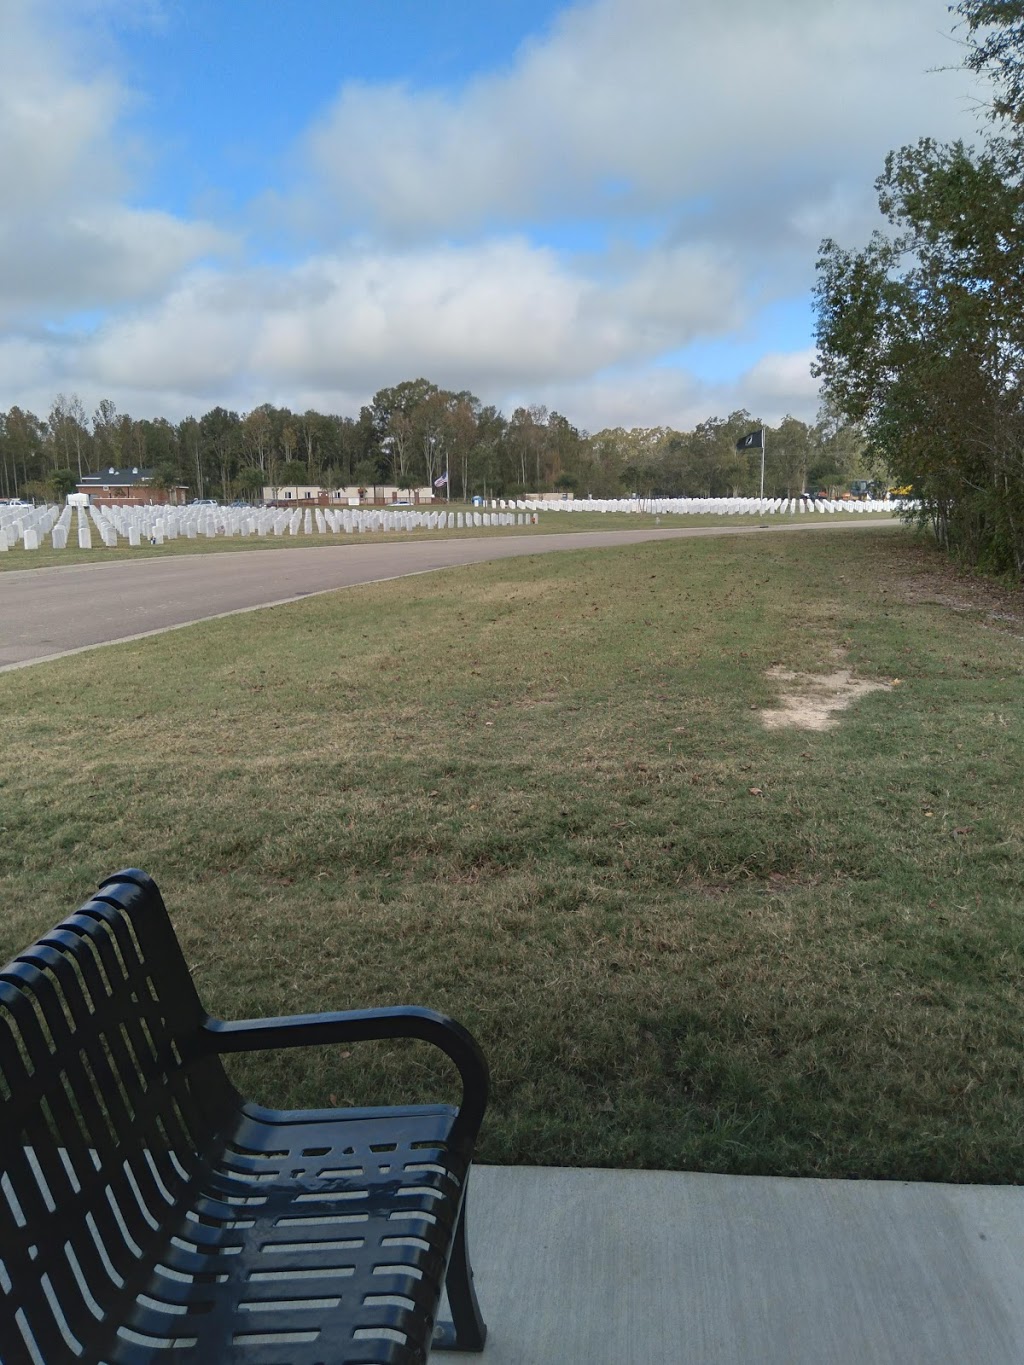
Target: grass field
{"x":549,"y":523}
{"x":539,"y":795}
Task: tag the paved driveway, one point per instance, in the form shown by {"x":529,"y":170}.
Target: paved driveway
{"x":45,"y":613}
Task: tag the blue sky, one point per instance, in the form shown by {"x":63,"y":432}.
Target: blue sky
{"x":610,"y":208}
{"x":258,"y":73}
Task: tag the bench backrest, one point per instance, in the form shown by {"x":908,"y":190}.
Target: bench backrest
{"x":104,"y":1112}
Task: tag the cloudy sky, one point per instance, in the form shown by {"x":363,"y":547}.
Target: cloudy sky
{"x":611,"y":207}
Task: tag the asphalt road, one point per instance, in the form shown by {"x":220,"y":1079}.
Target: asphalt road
{"x":46,"y":613}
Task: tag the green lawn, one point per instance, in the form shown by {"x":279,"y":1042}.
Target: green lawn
{"x":538,"y":794}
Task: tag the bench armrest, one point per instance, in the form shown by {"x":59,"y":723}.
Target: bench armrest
{"x":359,"y":1026}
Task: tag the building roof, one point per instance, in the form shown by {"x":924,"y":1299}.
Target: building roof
{"x":117,"y":478}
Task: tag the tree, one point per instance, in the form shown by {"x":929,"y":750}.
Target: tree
{"x":293,"y":472}
{"x":995,"y":37}
{"x":249,"y":483}
{"x":60,"y":483}
{"x":105,"y":433}
{"x":431,"y":418}
{"x":707,"y":463}
{"x":22,"y":448}
{"x":526,"y":436}
{"x":479,"y":449}
{"x":164,"y":478}
{"x":397,"y":445}
{"x":921,"y":334}
{"x":220,"y":433}
{"x":636,"y":456}
{"x":190,"y":438}
{"x":921,"y":339}
{"x":790,"y":449}
{"x":67,"y":430}
{"x":257,"y":437}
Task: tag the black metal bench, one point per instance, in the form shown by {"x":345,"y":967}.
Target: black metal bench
{"x":149,"y":1213}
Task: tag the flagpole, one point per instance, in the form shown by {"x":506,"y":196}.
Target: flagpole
{"x":762,"y":463}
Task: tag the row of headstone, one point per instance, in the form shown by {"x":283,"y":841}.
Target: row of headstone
{"x":155,"y":525}
{"x":759,"y":507}
{"x":25,"y":525}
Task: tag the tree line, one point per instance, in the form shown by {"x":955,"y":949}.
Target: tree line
{"x":921,"y":332}
{"x":410,"y":435}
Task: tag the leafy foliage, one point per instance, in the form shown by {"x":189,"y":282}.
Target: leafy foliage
{"x":996,"y":40}
{"x":409,"y":435}
{"x":920,"y":333}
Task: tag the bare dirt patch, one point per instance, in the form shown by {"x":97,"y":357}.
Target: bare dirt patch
{"x":928,"y":580}
{"x":812,"y":701}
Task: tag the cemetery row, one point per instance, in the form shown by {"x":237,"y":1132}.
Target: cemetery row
{"x":153,"y":525}
{"x":110,"y":526}
{"x":760,"y":507}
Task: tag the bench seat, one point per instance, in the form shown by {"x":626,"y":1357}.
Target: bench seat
{"x":150,"y":1213}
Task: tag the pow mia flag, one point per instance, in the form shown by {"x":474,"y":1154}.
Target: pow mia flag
{"x":754,"y":440}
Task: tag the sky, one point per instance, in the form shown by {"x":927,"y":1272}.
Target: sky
{"x":610,"y":208}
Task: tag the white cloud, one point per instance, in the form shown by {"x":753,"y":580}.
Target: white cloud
{"x":645,"y":104}
{"x":500,"y":314}
{"x":781,"y":383}
{"x":728,"y":136}
{"x":28,"y":365}
{"x":776,"y":386}
{"x":95,"y":255}
{"x":55,"y":122}
{"x":68,"y":239}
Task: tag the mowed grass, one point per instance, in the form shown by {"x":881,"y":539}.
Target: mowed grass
{"x":548,"y":523}
{"x":538,"y":795}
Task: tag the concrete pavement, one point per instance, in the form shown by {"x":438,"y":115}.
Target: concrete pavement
{"x":596,"y":1267}
{"x":46,"y":613}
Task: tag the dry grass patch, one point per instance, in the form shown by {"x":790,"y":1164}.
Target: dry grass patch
{"x":813,"y":701}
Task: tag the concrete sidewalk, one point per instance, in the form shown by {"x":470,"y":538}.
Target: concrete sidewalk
{"x":595,"y":1267}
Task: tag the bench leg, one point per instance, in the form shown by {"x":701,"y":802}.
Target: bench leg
{"x":466,"y":1331}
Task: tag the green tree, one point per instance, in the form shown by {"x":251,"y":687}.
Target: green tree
{"x":249,"y":483}
{"x":68,"y":433}
{"x":789,"y":450}
{"x":995,"y":37}
{"x":921,"y":339}
{"x":921,"y":333}
{"x":479,"y":453}
{"x":106,"y":434}
{"x":258,"y":438}
{"x":191,"y":445}
{"x":60,"y":483}
{"x":293,"y":472}
{"x":21,"y":450}
{"x":220,"y":434}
